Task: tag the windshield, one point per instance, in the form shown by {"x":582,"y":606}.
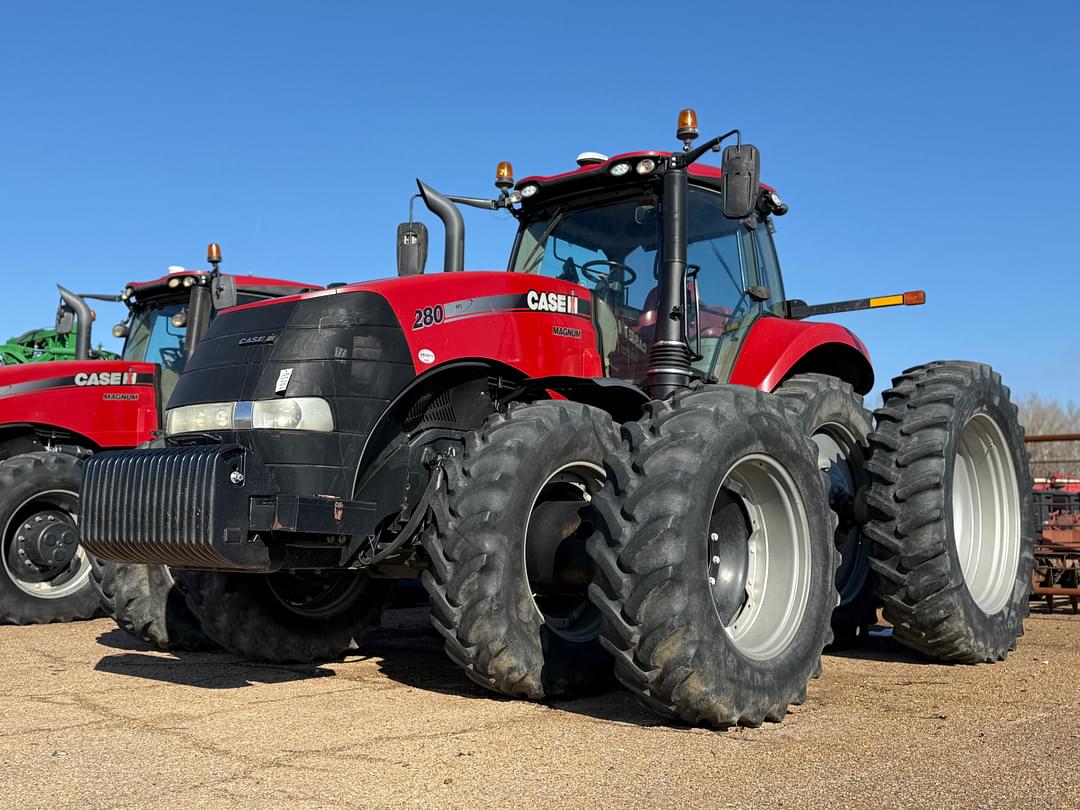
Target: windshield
{"x":613,"y":250}
{"x":154,"y":339}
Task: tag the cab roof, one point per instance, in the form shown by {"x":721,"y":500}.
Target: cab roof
{"x":596,"y":175}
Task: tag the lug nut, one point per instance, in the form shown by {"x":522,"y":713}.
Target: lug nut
{"x":236,"y":477}
{"x":712,"y":580}
{"x":714,"y":537}
{"x":715,"y":560}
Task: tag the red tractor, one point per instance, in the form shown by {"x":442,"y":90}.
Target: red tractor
{"x":54,"y":415}
{"x":628,"y":454}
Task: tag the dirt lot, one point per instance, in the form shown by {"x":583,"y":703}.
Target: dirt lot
{"x":90,"y":718}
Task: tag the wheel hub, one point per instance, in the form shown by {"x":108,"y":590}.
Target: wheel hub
{"x":729,"y":555}
{"x":759,"y":573}
{"x":46,"y":541}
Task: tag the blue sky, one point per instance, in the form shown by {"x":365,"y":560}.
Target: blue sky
{"x":920,"y":145}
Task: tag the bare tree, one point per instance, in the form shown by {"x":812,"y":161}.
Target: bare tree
{"x":1042,"y":417}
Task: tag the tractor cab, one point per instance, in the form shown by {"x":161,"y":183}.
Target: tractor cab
{"x":167,"y":316}
{"x":601,"y":227}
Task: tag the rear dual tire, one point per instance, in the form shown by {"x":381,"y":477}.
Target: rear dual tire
{"x":952,"y":523}
{"x":832,"y":415}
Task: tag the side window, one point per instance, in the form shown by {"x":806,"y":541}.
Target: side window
{"x":768,"y":267}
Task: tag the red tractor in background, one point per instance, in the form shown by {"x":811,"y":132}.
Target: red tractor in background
{"x":627,"y":454}
{"x":55,"y":414}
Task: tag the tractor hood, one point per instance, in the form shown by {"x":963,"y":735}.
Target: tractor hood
{"x":358,"y":346}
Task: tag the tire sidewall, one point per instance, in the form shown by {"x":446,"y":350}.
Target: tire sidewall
{"x":985,"y":395}
{"x":45,"y":476}
{"x":573,"y":443}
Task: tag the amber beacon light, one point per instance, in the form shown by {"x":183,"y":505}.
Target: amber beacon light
{"x":504,"y":175}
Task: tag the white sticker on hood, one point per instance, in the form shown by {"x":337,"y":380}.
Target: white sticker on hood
{"x":426,"y":356}
{"x":283,"y":378}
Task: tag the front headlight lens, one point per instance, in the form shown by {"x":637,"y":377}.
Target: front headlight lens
{"x":293,"y":413}
{"x":296,"y":413}
{"x":196,"y":418}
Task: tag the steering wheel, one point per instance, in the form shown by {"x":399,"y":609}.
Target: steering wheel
{"x":629,"y":276}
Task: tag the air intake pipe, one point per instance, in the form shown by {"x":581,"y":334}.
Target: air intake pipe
{"x":454,"y":224}
{"x":83,"y":319}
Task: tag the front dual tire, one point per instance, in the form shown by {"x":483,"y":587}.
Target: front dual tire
{"x":509,"y":573}
{"x":715,"y":562}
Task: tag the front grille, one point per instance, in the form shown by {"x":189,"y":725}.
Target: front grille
{"x":174,"y":506}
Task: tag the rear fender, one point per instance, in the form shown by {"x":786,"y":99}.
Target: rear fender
{"x":777,"y":348}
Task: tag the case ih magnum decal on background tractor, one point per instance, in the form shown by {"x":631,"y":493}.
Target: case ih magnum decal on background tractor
{"x":627,"y":455}
{"x":55,"y":414}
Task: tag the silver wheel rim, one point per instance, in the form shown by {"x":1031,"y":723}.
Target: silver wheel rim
{"x":584,"y":622}
{"x":986,"y":513}
{"x":777,"y":585}
{"x":67,"y":581}
{"x":835,"y":445}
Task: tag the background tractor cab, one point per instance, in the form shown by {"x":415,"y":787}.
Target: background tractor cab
{"x":55,"y":414}
{"x":168,"y":316}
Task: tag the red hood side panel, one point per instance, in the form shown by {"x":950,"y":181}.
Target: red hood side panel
{"x":113,"y":403}
{"x":540,"y":326}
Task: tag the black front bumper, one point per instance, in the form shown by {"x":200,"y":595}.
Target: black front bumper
{"x":212,"y":507}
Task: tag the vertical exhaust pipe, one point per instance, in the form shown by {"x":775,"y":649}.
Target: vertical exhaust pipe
{"x":454,"y":224}
{"x":83,"y":319}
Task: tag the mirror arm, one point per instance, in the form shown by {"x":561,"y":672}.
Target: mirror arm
{"x":712,"y":144}
{"x":475,"y":202}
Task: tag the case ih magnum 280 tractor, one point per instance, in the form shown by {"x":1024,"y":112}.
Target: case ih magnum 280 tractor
{"x":628,"y":454}
{"x":55,"y":414}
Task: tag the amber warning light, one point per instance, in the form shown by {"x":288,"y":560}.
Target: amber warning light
{"x":504,"y":175}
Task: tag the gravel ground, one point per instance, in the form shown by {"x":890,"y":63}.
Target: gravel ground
{"x":90,"y":718}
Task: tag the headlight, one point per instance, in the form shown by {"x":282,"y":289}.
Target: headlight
{"x":196,"y":418}
{"x":619,"y":169}
{"x":294,"y":413}
{"x":645,"y":166}
{"x":297,"y":413}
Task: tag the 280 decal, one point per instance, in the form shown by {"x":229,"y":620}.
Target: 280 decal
{"x":428,"y":316}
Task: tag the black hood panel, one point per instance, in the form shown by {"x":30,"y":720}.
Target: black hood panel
{"x":348,"y":348}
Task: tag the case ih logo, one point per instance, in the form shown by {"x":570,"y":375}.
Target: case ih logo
{"x":106,"y":378}
{"x":552,"y":302}
{"x":256,"y":339}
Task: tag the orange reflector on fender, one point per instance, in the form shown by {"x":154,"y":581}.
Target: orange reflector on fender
{"x":887,"y":301}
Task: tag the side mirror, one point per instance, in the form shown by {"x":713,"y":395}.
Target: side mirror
{"x":412,"y":246}
{"x":223,"y":292}
{"x":65,"y":320}
{"x":121,"y":330}
{"x":741,"y":174}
